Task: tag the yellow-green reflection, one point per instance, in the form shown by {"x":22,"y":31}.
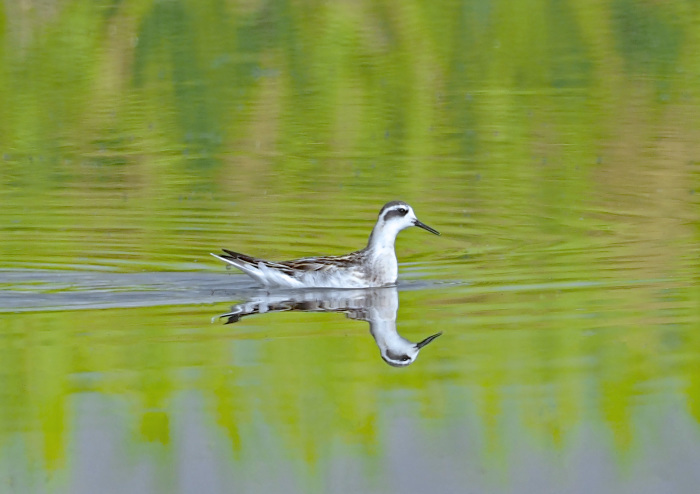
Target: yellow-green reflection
{"x":315,"y":379}
{"x":552,"y":143}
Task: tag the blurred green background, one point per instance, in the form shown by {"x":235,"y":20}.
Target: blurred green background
{"x":554,"y":143}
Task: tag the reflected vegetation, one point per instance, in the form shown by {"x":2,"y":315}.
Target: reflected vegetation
{"x":554,"y":144}
{"x":377,"y":306}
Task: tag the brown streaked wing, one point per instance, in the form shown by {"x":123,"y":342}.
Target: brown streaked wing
{"x":321,"y":263}
{"x":304,"y":264}
{"x":253,"y":261}
{"x":237,"y":256}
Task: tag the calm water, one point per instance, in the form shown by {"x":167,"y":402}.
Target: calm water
{"x":553,"y":144}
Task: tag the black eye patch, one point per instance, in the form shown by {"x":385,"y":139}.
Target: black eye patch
{"x":397,"y":356}
{"x":395,"y":212}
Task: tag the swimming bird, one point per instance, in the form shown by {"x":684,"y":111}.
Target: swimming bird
{"x":373,"y":266}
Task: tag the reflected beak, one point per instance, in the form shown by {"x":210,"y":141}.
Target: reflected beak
{"x":422,"y":225}
{"x":421,"y":344}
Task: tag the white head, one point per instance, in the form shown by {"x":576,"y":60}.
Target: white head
{"x":394,"y":217}
{"x":399,"y":352}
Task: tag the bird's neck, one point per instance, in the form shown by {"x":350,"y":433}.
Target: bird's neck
{"x":381,"y":239}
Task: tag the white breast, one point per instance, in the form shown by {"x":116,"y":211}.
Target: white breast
{"x":384,"y":267}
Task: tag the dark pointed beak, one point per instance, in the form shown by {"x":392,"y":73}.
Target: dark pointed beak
{"x":421,"y":344}
{"x":422,"y":225}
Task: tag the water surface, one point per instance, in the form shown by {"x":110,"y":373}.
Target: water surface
{"x":554,"y":146}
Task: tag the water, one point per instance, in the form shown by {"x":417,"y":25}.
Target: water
{"x":553,"y":146}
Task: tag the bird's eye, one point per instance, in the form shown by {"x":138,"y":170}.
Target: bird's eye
{"x":405,"y":358}
{"x":403,"y":211}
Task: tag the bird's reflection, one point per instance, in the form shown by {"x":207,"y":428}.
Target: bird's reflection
{"x":377,"y":306}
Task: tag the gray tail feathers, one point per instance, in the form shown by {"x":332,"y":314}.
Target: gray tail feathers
{"x":237,"y":256}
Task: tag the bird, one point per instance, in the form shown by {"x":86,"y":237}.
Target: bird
{"x":374,"y":266}
{"x":377,"y":306}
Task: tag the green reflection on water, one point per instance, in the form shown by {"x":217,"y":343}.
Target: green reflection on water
{"x":552,"y":363}
{"x":552,"y":143}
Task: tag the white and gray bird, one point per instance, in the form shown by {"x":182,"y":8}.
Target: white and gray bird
{"x":373,"y":266}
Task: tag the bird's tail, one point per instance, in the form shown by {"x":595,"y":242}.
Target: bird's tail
{"x":247,"y":264}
